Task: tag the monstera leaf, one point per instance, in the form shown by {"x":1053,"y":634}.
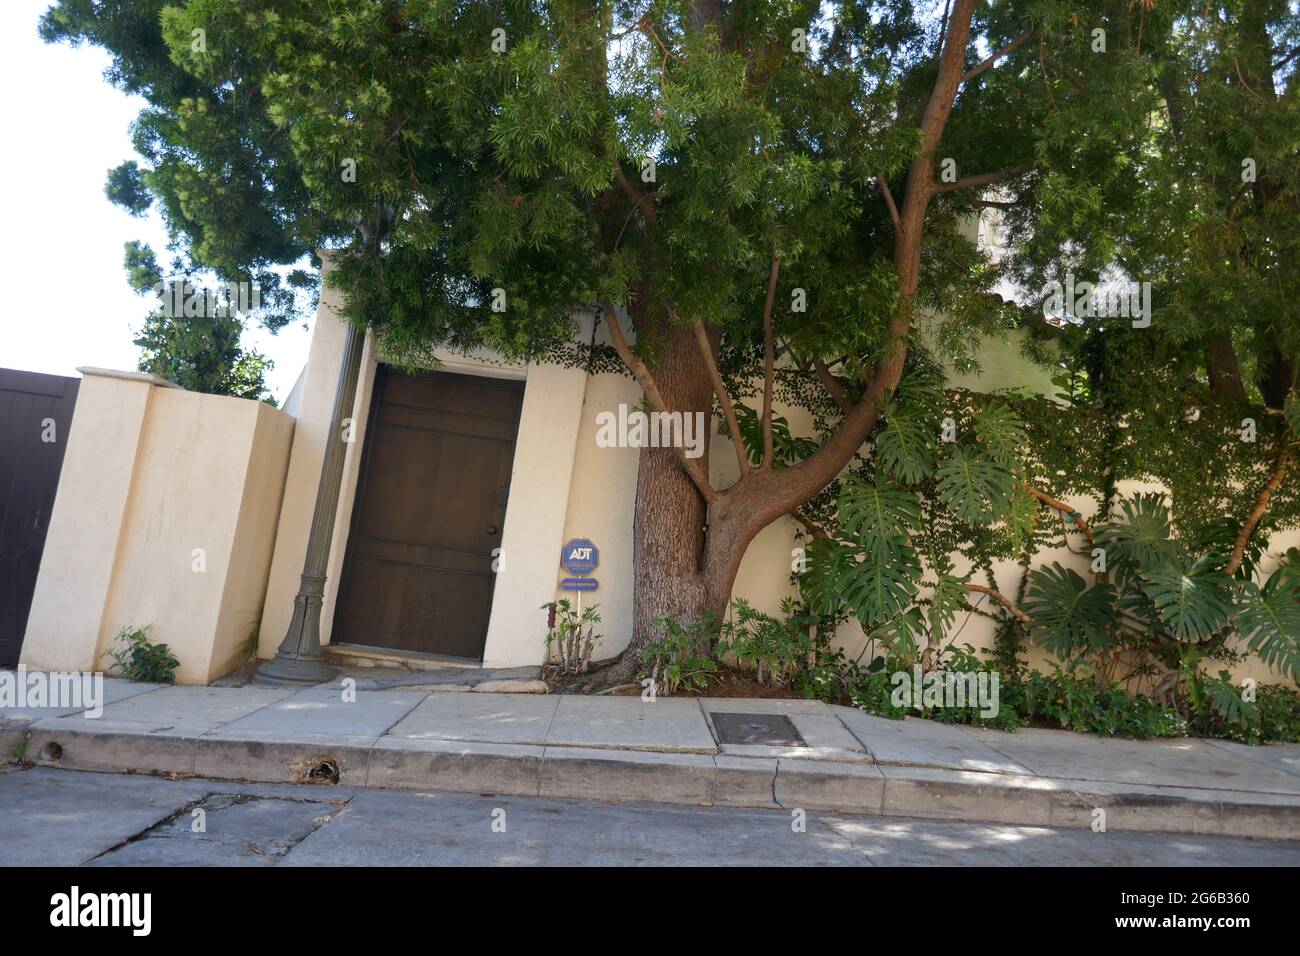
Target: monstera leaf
{"x":819,"y":584}
{"x":949,"y":597}
{"x":881,"y":587}
{"x":1269,"y":619}
{"x":1193,"y":601}
{"x":878,"y":516}
{"x":905,"y":447}
{"x":786,"y":447}
{"x":976,"y":488}
{"x":899,"y":633}
{"x":1141,"y":540}
{"x":1066,"y":615}
{"x":1000,"y":432}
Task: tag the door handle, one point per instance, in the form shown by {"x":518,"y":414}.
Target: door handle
{"x":491,"y":529}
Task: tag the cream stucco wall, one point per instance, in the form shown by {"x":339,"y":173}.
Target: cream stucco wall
{"x":153,"y":473}
{"x":164,"y":517}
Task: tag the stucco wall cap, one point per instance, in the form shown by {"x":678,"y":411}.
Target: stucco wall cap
{"x":128,"y":376}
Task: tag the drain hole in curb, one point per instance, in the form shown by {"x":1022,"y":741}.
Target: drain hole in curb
{"x":51,"y":751}
{"x":324,"y":771}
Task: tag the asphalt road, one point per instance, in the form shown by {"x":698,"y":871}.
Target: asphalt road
{"x":64,"y":817}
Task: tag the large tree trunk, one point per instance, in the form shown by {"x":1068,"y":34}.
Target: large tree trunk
{"x":671,"y":516}
{"x":1221,"y":361}
{"x":686,"y":556}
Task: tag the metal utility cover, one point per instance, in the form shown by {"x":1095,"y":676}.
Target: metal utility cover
{"x":771,"y":730}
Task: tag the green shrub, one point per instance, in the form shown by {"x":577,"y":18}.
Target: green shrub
{"x":682,"y":659}
{"x":140,"y":659}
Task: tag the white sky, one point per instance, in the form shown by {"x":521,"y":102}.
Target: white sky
{"x":66,"y":299}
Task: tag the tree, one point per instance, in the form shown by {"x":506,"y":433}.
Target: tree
{"x":761,"y":191}
{"x":200,"y":352}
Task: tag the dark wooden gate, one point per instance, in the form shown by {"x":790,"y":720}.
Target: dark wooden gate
{"x":35,"y":421}
{"x":431,"y":502}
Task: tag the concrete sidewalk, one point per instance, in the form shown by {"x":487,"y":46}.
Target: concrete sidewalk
{"x":743,"y":753}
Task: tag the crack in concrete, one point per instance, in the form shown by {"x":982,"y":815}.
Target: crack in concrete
{"x":216,"y":801}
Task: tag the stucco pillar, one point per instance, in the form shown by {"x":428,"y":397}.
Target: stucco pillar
{"x":74,"y":585}
{"x":535,"y":513}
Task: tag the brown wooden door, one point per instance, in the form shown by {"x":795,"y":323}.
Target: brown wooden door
{"x":31,"y":457}
{"x":430,"y":506}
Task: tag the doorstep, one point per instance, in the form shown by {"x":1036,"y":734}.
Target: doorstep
{"x":359,"y":655}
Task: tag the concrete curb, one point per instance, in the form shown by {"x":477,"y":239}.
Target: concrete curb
{"x":682,"y":778}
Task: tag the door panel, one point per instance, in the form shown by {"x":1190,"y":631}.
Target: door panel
{"x":29,"y":477}
{"x":430,"y":507}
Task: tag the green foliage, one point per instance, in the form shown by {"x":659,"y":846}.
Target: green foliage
{"x":786,"y":448}
{"x":777,"y":648}
{"x":905,"y":446}
{"x":1193,"y":601}
{"x":1171,"y":600}
{"x":570,"y":636}
{"x":977,"y":489}
{"x":140,"y":659}
{"x":204,"y":355}
{"x":682,"y":659}
{"x":1269,"y":619}
{"x":1068,"y":616}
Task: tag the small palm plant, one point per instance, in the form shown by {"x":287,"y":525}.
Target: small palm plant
{"x":570,"y":637}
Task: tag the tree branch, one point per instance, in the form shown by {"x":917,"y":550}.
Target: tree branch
{"x":1011,"y":47}
{"x":646,"y":381}
{"x":1002,"y":599}
{"x":728,"y":410}
{"x":832,"y":385}
{"x":889,"y":200}
{"x":1280,"y":466}
{"x":982,"y":179}
{"x":647,"y":207}
{"x":813,"y":528}
{"x":769,"y":360}
{"x":1062,"y":507}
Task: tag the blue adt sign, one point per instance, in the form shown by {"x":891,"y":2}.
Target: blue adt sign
{"x":579,"y":557}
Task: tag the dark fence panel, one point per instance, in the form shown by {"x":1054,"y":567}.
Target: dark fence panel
{"x":35,"y":422}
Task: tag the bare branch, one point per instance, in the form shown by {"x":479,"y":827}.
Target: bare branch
{"x":728,"y":410}
{"x":991,"y":204}
{"x":646,"y":381}
{"x":813,"y":528}
{"x":889,"y":200}
{"x":1062,"y":507}
{"x":1011,"y":47}
{"x":647,"y":207}
{"x":1280,"y":466}
{"x":1002,"y":599}
{"x":1286,"y":59}
{"x":769,"y":360}
{"x":982,"y":179}
{"x":832,"y":385}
